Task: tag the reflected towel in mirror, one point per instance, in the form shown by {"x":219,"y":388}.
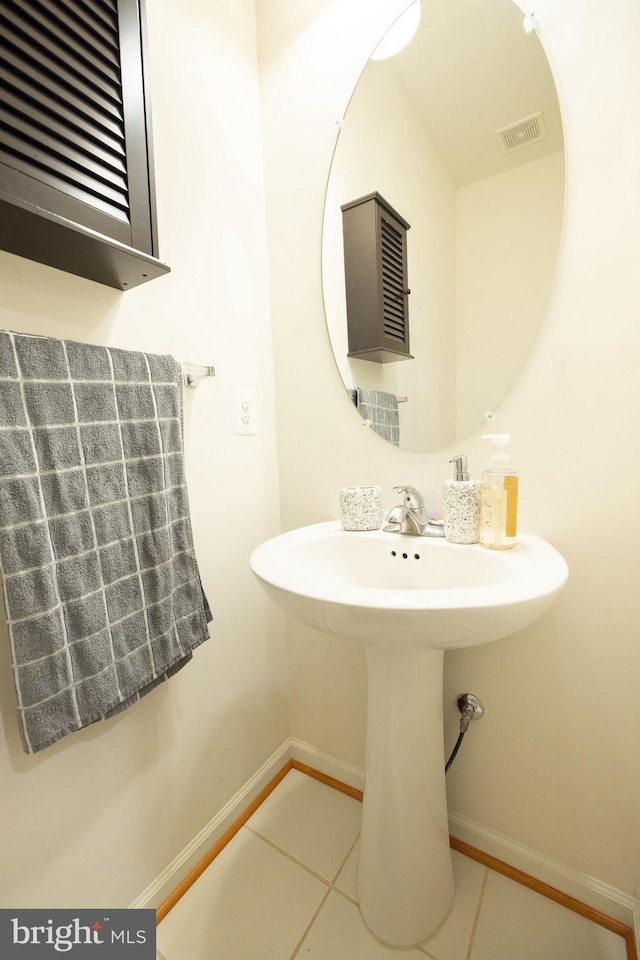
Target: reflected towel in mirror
{"x":380,"y":409}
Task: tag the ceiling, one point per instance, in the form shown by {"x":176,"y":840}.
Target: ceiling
{"x":470,"y":71}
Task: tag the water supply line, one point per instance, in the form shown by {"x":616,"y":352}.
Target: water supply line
{"x":471,"y":708}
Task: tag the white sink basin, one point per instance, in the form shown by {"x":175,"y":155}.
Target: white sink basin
{"x":378,"y":587}
{"x":408,"y":599}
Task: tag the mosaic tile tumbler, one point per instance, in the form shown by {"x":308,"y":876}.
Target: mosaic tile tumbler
{"x":361,"y":508}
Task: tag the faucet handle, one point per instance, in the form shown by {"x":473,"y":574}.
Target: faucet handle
{"x":412,"y":497}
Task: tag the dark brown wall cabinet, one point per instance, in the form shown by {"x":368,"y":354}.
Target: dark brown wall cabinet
{"x":375,"y":264}
{"x":76,"y":174}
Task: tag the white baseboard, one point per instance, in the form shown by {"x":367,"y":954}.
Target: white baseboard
{"x":332,"y":766}
{"x":600,"y":896}
{"x":160,"y":888}
{"x":608,"y":900}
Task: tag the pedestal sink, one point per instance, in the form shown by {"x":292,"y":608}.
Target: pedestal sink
{"x":408,"y":599}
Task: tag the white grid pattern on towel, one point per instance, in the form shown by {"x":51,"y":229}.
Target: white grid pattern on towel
{"x":379,"y":409}
{"x":157,"y":517}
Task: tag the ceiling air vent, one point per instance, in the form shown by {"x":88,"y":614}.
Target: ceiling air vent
{"x":522,"y":133}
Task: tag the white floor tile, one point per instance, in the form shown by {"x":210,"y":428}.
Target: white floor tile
{"x":311,"y":821}
{"x":346,"y":879}
{"x":340,"y":934}
{"x":255,"y":903}
{"x":252,"y":903}
{"x":453,"y":939}
{"x":516,"y":922}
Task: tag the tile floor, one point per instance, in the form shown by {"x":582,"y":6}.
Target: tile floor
{"x":284,"y":888}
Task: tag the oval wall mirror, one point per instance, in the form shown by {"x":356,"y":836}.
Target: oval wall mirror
{"x":459,"y":135}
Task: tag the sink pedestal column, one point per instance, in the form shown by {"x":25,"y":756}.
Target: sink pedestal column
{"x":405,"y":879}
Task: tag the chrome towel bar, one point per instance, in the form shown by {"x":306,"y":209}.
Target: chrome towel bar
{"x":193,"y":373}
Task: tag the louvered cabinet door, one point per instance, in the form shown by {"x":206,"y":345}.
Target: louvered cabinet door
{"x":376,"y":273}
{"x":76,"y":178}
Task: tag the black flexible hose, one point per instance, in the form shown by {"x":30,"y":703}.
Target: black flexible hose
{"x":455,"y":749}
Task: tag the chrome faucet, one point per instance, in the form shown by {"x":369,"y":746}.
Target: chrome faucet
{"x":410,"y":516}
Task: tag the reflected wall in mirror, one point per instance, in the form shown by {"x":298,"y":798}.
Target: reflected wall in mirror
{"x":461,"y":131}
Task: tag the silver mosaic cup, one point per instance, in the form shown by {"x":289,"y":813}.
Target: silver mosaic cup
{"x":361,"y":508}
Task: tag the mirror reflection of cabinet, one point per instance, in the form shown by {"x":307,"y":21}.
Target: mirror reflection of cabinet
{"x":375,"y":263}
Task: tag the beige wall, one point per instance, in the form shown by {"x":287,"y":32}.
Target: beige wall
{"x":555,"y":763}
{"x":508,"y":233}
{"x":96,"y":818}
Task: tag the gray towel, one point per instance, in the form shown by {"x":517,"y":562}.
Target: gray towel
{"x":101,"y":586}
{"x":380,"y":409}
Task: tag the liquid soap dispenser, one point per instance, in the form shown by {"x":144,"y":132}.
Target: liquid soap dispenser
{"x":461,"y":498}
{"x":499,"y":498}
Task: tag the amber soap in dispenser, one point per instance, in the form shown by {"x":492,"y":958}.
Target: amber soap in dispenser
{"x":499,"y":498}
{"x":461,"y":498}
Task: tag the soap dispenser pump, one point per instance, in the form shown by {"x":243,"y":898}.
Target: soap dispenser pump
{"x":461,"y":498}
